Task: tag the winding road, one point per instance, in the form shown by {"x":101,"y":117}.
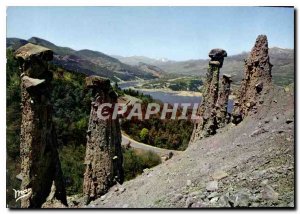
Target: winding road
{"x":135,"y":144}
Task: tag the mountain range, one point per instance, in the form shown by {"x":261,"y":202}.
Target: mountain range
{"x":87,"y":61}
{"x":140,"y":67}
{"x":282,"y":60}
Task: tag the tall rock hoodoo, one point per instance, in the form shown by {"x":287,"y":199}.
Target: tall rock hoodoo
{"x":41,"y":173}
{"x":103,"y":158}
{"x":208,"y":122}
{"x":256,"y":81}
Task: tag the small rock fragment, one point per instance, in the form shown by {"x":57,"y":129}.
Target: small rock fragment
{"x":214,"y":200}
{"x":241,"y":199}
{"x":189,"y":201}
{"x":223,"y":201}
{"x":177,"y":198}
{"x":268,"y":193}
{"x":218,"y":175}
{"x":212,"y":186}
{"x":258,"y":132}
{"x":212,"y":195}
{"x":199,"y":204}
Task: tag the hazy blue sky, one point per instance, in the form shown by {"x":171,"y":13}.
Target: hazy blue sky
{"x":177,"y":33}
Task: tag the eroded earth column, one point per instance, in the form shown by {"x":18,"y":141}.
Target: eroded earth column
{"x":103,"y":158}
{"x":41,"y":173}
{"x":256,"y":81}
{"x":207,"y":124}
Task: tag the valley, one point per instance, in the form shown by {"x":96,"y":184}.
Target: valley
{"x":146,"y":144}
{"x":150,"y":107}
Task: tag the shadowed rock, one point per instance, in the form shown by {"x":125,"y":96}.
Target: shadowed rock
{"x":40,"y":165}
{"x":97,"y":83}
{"x":217,"y":53}
{"x":217,"y":57}
{"x":221,"y":107}
{"x":256,"y":81}
{"x":103,"y":158}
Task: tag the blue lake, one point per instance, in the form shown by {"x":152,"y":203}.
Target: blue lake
{"x":169,"y":97}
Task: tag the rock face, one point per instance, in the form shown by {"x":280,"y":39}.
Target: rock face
{"x":40,"y":165}
{"x":257,"y":79}
{"x":222,"y":103}
{"x":208,"y":122}
{"x":103,"y":158}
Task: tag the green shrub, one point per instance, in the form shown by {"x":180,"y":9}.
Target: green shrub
{"x":72,"y":159}
{"x":167,"y":134}
{"x":144,"y":134}
{"x":135,"y":161}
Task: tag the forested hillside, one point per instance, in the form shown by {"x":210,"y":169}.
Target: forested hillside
{"x":86,"y":61}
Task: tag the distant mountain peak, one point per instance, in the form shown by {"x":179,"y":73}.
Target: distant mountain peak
{"x":40,"y":41}
{"x":163,"y":59}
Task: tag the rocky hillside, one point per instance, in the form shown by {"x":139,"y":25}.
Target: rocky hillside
{"x":156,"y":71}
{"x":239,"y":163}
{"x":86,"y":61}
{"x":251,"y":164}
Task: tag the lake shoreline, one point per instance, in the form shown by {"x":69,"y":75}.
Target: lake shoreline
{"x":168,"y":96}
{"x":178,"y":93}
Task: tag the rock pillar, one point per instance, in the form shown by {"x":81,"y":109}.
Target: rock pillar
{"x":207,"y":124}
{"x":40,"y":165}
{"x":103,"y":158}
{"x":256,"y":81}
